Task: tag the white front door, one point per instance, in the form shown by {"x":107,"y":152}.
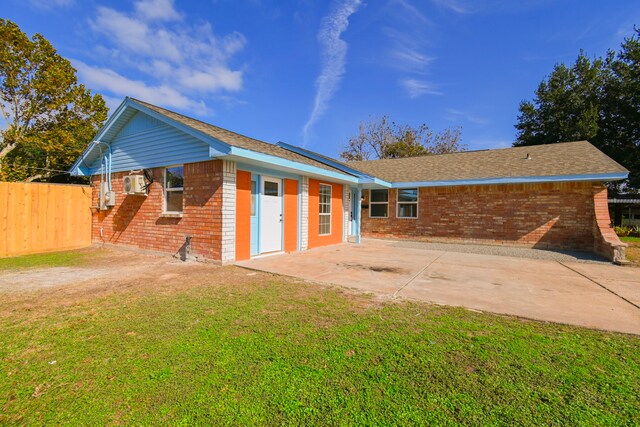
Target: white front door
{"x":271,"y":215}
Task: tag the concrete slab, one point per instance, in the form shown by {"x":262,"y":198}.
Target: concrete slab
{"x":574,"y":293}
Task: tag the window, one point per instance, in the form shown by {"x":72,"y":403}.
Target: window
{"x":325,"y":209}
{"x":378,"y":203}
{"x":271,"y":188}
{"x":254,"y":186}
{"x":408,"y":203}
{"x":173,"y":189}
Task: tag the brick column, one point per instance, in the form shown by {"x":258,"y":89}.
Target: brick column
{"x":228,"y":253}
{"x":304,"y":214}
{"x":606,"y":241}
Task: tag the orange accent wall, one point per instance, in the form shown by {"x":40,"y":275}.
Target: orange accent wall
{"x":243,"y":215}
{"x":290,"y":215}
{"x":315,"y":239}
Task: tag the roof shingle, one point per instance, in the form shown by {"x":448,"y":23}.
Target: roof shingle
{"x":570,"y":158}
{"x":236,"y":139}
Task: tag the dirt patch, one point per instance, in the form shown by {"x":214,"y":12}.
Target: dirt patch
{"x":376,"y":268}
{"x":115,"y":271}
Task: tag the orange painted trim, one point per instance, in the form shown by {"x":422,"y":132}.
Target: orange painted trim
{"x":243,"y":215}
{"x":315,"y":239}
{"x":290,"y":215}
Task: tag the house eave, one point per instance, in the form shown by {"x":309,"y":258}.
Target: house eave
{"x":290,"y":166}
{"x":515,"y":180}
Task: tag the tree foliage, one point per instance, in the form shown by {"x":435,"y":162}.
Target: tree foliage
{"x":381,"y":139}
{"x":49,"y":116}
{"x":594,"y":99}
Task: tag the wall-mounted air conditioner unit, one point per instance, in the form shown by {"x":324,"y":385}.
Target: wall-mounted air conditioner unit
{"x":134,"y":184}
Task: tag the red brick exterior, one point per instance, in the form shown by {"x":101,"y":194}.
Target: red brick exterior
{"x":606,"y":241}
{"x":550,"y":215}
{"x":139,"y":221}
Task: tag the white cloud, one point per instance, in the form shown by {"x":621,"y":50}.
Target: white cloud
{"x":411,"y":60}
{"x":334,"y":52}
{"x":416,"y":88}
{"x":182,"y":63}
{"x":406,"y":28}
{"x":156,"y":10}
{"x":105,"y":79}
{"x":413,"y":12}
{"x":455,"y":114}
{"x":456,"y":6}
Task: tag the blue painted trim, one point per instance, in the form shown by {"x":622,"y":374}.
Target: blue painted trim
{"x":217,"y":148}
{"x":266,"y":171}
{"x":321,"y":159}
{"x":254,"y":220}
{"x":292,"y":166}
{"x":74,"y":171}
{"x":514,"y":180}
{"x":373,"y":182}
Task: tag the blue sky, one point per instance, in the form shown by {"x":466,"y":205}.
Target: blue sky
{"x":307,"y":72}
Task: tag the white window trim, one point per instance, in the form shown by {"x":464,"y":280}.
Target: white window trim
{"x":330,"y":207}
{"x":379,"y":203}
{"x":164,"y":186}
{"x":398,"y":202}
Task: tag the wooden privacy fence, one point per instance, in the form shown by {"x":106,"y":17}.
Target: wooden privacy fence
{"x":37,"y":217}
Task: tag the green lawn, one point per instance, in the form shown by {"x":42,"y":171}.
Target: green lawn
{"x":633,"y":250}
{"x":271,"y":351}
{"x":52,"y":259}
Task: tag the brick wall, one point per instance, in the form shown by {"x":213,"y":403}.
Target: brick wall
{"x":554,"y":215}
{"x":138,"y":220}
{"x":606,"y":241}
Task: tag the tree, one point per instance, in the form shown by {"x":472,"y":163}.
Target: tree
{"x":596,"y":100}
{"x":380,"y":139}
{"x":50,"y":118}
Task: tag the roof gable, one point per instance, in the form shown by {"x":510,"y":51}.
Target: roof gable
{"x":146,"y":142}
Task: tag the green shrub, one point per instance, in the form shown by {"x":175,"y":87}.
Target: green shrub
{"x":623,"y":230}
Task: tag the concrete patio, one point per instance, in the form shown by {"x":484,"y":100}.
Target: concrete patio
{"x":590,"y":294}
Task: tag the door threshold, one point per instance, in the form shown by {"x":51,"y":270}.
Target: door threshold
{"x":267,"y":254}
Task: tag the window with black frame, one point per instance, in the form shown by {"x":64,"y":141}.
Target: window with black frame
{"x":407,"y":203}
{"x":378,"y":203}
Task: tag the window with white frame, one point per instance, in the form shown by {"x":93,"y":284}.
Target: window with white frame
{"x":407,"y":203}
{"x":173,"y":189}
{"x":378,"y":203}
{"x":325,"y":209}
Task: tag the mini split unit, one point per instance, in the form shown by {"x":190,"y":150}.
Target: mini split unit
{"x":135,"y":185}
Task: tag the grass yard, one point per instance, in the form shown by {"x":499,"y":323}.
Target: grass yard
{"x":633,"y":250}
{"x":52,"y":259}
{"x":201,"y":345}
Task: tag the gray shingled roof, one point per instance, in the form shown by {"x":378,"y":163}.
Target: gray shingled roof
{"x":235,"y":139}
{"x":570,"y":158}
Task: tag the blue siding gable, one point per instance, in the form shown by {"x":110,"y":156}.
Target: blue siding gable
{"x":146,"y":142}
